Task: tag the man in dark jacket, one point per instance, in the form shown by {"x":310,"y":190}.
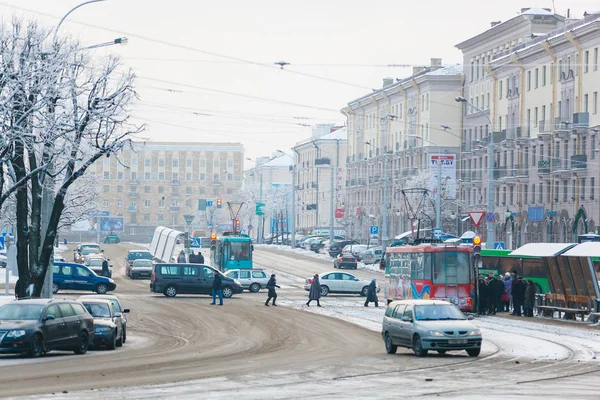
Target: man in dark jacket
{"x":199,"y":258}
{"x":271,"y":285}
{"x":518,"y":293}
{"x":192,"y":258}
{"x":17,"y":289}
{"x":529,"y":299}
{"x":483,"y":296}
{"x":372,"y":294}
{"x":105,"y":268}
{"x":217,"y":289}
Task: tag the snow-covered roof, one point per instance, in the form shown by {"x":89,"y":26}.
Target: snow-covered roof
{"x":541,"y":249}
{"x":340,"y":134}
{"x":456,"y":69}
{"x":588,"y":249}
{"x":281,"y":161}
{"x":537,"y":11}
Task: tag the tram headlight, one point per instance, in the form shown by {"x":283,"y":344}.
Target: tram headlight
{"x":475,"y":332}
{"x":435,"y":333}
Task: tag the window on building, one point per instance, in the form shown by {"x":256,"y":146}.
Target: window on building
{"x":148,"y":162}
{"x":595,"y":59}
{"x":161,"y":203}
{"x":188,"y":176}
{"x":500,"y":89}
{"x":230,"y":163}
{"x":586,"y":62}
{"x":525,"y":194}
{"x":202,"y":190}
{"x":105,"y":203}
{"x":216,"y":163}
{"x":229,"y":191}
{"x":119,"y":189}
{"x":188,"y":163}
{"x":541,"y":194}
{"x":147,"y":176}
{"x":161,"y":176}
{"x":565,"y":190}
{"x":216,"y":177}
{"x":472,"y":70}
{"x":229,"y":177}
{"x":593,"y":145}
{"x":146,"y":189}
{"x":548,"y":189}
{"x":147,"y":203}
{"x":175,"y":163}
{"x":544,"y":75}
{"x":146,"y":217}
{"x":586,"y":103}
{"x":161,"y":162}
{"x":592,"y":188}
{"x":535,"y":117}
{"x":202,"y":163}
{"x":161,"y":217}
{"x":533,"y":193}
{"x":120,"y":175}
{"x":537,"y":78}
{"x":174,"y":203}
{"x":133,"y":189}
{"x":106,"y":175}
{"x":477,"y":69}
{"x":133,"y":218}
{"x":119,"y":203}
{"x":595,"y":103}
{"x":202,"y":176}
{"x":133,"y":175}
{"x":175,"y":176}
{"x":106,"y":188}
{"x":533,"y":156}
{"x":161,"y":189}
{"x":528,"y":81}
{"x":188,"y":190}
{"x":582,"y":188}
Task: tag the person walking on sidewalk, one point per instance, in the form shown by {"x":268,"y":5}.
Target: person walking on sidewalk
{"x":271,"y":285}
{"x":217,"y":289}
{"x":372,"y":294}
{"x":315,"y":291}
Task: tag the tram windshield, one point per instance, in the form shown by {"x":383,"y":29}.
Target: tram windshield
{"x":240,"y":250}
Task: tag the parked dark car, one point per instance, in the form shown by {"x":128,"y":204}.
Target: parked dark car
{"x":336,"y":248}
{"x":71,"y":276}
{"x":108,"y":327}
{"x":345,"y":261}
{"x":172,"y":279}
{"x":118,"y":308}
{"x":36,"y":326}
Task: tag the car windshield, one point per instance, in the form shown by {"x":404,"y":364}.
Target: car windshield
{"x":21,"y":311}
{"x":136,"y":255}
{"x":98,"y":310}
{"x":95,"y":262}
{"x":142,"y":263}
{"x":90,"y":250}
{"x":436,"y":312}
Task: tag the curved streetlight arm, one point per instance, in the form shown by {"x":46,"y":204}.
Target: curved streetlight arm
{"x":438,"y":198}
{"x":68,"y":13}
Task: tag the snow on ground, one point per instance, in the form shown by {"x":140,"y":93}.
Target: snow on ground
{"x":11,"y":277}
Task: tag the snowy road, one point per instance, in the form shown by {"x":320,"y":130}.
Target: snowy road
{"x":246,"y":349}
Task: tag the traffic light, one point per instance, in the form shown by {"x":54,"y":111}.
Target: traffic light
{"x":476,"y":250}
{"x":236,"y":227}
{"x":218,"y":203}
{"x":213,"y":241}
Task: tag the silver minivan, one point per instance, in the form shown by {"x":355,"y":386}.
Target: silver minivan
{"x":423,"y":325}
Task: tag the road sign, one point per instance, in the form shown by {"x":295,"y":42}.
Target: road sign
{"x":437,"y":233}
{"x":188,"y":218}
{"x":339,"y":213}
{"x":195,"y":243}
{"x":476,"y":217}
{"x":209,"y":203}
{"x":249,"y":227}
{"x":202,"y":205}
{"x":490,"y":216}
{"x":260,"y":209}
{"x":374,"y":230}
{"x":498,"y":245}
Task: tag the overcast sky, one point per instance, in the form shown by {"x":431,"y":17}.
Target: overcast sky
{"x":174,"y":47}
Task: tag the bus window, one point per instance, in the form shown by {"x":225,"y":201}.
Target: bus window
{"x":240,"y":250}
{"x":417,"y":266}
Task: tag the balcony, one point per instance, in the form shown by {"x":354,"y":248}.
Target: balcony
{"x":374,"y":179}
{"x":352,"y":182}
{"x":544,"y":129}
{"x":579,"y":161}
{"x":562,"y":127}
{"x":499,"y":136}
{"x":543,"y":167}
{"x":501,"y":172}
{"x":409,"y":171}
{"x":362,"y":182}
{"x":581,"y":120}
{"x":559,"y":167}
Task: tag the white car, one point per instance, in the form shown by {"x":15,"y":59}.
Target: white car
{"x":340,"y":282}
{"x":250,"y":279}
{"x":372,"y":256}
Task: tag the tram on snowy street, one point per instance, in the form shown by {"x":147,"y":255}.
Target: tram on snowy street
{"x":430,"y":271}
{"x":232,"y":251}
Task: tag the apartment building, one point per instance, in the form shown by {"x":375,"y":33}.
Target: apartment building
{"x":320,"y":161}
{"x":394,"y":133}
{"x":157,"y":183}
{"x":269,"y":182}
{"x":543,"y":84}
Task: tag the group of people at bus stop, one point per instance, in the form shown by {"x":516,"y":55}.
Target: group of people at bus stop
{"x":193,"y":258}
{"x":499,"y":293}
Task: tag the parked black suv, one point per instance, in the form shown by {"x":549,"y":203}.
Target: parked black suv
{"x":36,"y":326}
{"x":336,"y":248}
{"x":171,"y":279}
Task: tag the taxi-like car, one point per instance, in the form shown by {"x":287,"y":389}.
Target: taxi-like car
{"x":71,"y":276}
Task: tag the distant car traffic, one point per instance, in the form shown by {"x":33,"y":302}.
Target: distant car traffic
{"x":108,"y":327}
{"x":117,"y":305}
{"x":139,"y":269}
{"x":111,"y":239}
{"x":424,"y":325}
{"x":345,"y":260}
{"x":95,"y":264}
{"x":250,"y":279}
{"x":133,"y":255}
{"x":372,"y":256}
{"x":336,"y":248}
{"x":71,"y":276}
{"x":85,"y":249}
{"x":355,"y":249}
{"x":37,"y":326}
{"x":340,"y":282}
{"x":173,"y":279}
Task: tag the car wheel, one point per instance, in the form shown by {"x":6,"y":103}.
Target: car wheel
{"x":418,"y":347}
{"x":54,"y":287}
{"x":324,"y":291}
{"x":365,"y":291}
{"x":255,"y":287}
{"x":170,"y":291}
{"x":473,"y":352}
{"x":441,"y":351}
{"x":227,"y":292}
{"x":389,"y":347}
{"x":82,"y":343}
{"x":112,"y":342}
{"x":101,"y":288}
{"x":120,"y":340}
{"x":36,"y":348}
{"x":124,"y":334}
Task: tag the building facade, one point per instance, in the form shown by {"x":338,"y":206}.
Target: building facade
{"x":394,"y":134}
{"x":157,"y":183}
{"x":542,"y":80}
{"x":320,"y":178}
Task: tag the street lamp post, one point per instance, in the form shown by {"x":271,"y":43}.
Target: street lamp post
{"x":491,"y":206}
{"x":438,"y":198}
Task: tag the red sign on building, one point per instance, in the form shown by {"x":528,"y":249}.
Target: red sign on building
{"x":339,"y":213}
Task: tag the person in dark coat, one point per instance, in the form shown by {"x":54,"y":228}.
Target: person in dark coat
{"x":372,"y":294}
{"x":315,"y":291}
{"x":199,"y":258}
{"x":483,"y":295}
{"x":217,"y":289}
{"x":181,"y":257}
{"x":105,"y":268}
{"x":507,"y":287}
{"x":498,"y":286}
{"x":518,"y":294}
{"x":529,"y":299}
{"x":271,"y":285}
{"x":17,"y":288}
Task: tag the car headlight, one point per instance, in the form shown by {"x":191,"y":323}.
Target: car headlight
{"x":476,"y":332}
{"x":237,"y":282}
{"x":111,"y":280}
{"x":15,"y":334}
{"x":435,"y":333}
{"x":102,"y":328}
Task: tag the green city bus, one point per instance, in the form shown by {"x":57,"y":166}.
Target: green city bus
{"x":500,"y":262}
